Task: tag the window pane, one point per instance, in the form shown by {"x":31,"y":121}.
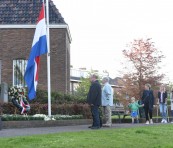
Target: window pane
{"x":19,"y":67}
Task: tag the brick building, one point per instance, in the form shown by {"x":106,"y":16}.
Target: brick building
{"x":17,"y":26}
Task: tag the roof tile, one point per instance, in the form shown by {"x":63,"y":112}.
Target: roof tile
{"x":26,"y":12}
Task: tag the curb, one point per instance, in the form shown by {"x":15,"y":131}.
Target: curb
{"x":51,"y":123}
{"x":42,"y":123}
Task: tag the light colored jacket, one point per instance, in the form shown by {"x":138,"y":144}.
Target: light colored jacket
{"x":107,"y":95}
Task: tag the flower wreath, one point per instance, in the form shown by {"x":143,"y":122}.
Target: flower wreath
{"x":19,"y":99}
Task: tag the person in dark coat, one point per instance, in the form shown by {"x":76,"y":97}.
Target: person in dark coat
{"x":94,"y":100}
{"x":148,"y":100}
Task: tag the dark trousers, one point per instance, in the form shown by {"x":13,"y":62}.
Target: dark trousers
{"x":147,"y":111}
{"x":172,"y":113}
{"x":96,"y":116}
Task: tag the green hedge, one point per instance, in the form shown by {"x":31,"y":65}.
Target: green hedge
{"x":37,"y":108}
{"x":57,"y":98}
{"x":19,"y":118}
{"x":7,"y":117}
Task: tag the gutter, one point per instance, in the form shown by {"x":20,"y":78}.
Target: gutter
{"x":21,"y":26}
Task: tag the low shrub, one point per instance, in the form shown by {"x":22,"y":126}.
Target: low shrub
{"x":67,"y":117}
{"x":37,"y":108}
{"x":57,"y":98}
{"x":6,"y":117}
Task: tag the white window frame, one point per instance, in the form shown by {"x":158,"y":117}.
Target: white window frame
{"x":23,"y":84}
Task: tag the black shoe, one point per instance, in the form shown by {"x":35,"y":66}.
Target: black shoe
{"x":95,"y":127}
{"x":90,"y":126}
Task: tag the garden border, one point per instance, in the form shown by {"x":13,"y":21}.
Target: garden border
{"x":42,"y":123}
{"x":54,"y":123}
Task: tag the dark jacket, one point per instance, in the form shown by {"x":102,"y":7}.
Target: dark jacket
{"x":148,"y":98}
{"x":164,"y":96}
{"x":94,"y":94}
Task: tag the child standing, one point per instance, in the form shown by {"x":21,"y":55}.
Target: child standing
{"x":134,"y":106}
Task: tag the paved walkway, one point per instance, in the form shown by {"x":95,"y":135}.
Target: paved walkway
{"x":47,"y":130}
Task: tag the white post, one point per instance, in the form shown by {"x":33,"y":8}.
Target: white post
{"x":48,"y":59}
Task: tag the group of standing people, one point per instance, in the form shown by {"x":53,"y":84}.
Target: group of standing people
{"x":148,"y":102}
{"x":98,"y":96}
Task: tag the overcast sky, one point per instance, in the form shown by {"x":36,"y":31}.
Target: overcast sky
{"x":101,"y":29}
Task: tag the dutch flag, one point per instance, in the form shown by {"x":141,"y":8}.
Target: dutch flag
{"x":39,"y":47}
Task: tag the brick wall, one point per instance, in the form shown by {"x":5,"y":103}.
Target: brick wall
{"x":16,"y":44}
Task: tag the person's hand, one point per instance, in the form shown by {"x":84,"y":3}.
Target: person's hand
{"x":128,"y":103}
{"x":143,"y":105}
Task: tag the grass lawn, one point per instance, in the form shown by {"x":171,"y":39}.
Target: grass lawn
{"x":137,"y":137}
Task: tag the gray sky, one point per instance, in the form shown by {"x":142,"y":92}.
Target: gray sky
{"x":101,"y":29}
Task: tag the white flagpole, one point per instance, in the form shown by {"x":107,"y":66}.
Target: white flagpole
{"x":48,"y":59}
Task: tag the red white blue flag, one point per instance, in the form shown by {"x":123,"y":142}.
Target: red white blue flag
{"x":39,"y":47}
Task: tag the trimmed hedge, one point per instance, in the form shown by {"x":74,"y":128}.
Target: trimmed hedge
{"x":37,"y":108}
{"x":38,"y":117}
{"x":64,"y":104}
{"x":19,"y":118}
{"x":57,"y":98}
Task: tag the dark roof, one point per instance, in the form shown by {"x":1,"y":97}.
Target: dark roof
{"x":26,"y":12}
{"x":115,"y":81}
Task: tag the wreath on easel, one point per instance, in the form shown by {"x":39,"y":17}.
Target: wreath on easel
{"x":19,"y":99}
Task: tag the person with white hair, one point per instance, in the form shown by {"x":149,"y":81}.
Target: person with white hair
{"x":107,"y":101}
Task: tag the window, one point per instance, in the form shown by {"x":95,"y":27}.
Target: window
{"x":19,"y":67}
